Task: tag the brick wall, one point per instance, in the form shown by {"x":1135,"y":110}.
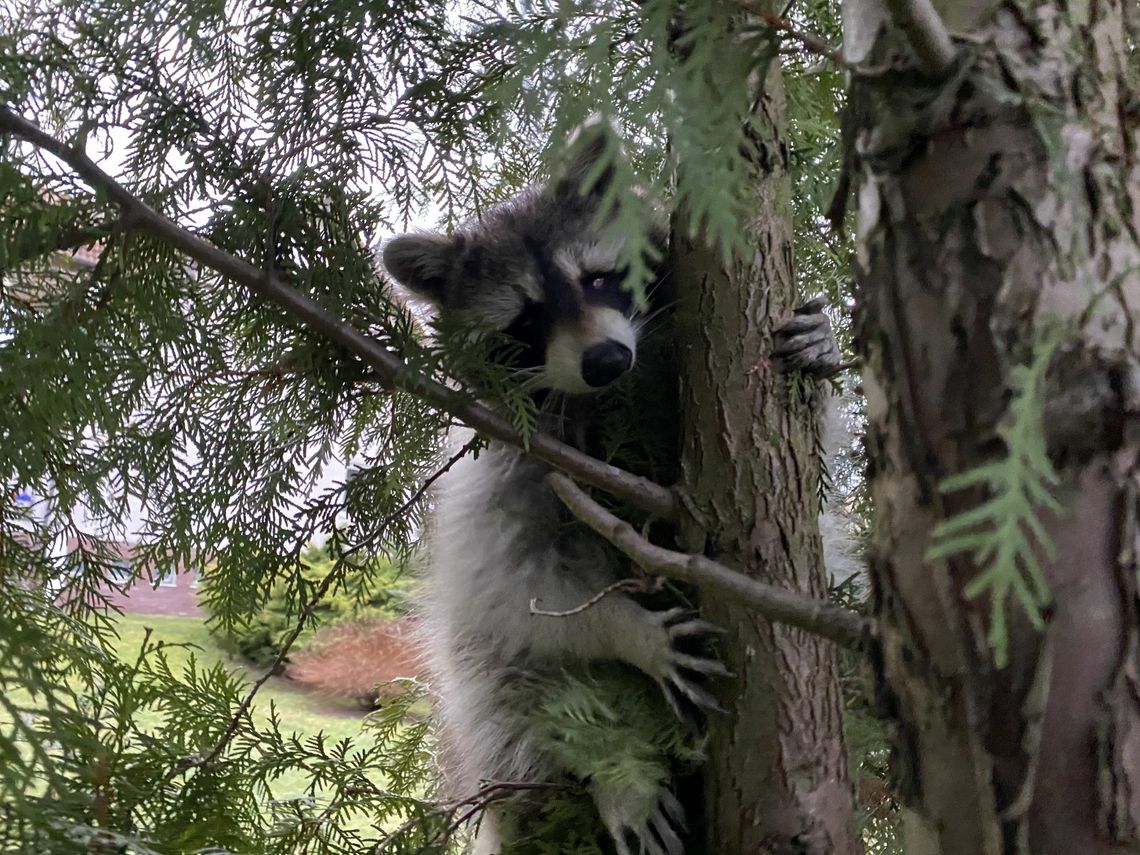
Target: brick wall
{"x":179,"y":598}
{"x":174,"y":594}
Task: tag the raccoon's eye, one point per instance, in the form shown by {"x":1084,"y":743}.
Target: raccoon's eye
{"x":602,"y":281}
{"x":604,"y":289}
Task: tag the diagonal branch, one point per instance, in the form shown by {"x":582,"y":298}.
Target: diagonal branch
{"x":138,"y":216}
{"x":818,"y":617}
{"x":309,"y":610}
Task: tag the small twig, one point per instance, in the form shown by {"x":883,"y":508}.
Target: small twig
{"x":494,"y":791}
{"x":926,"y":33}
{"x":366,"y":124}
{"x":419,"y":493}
{"x":466,"y":449}
{"x":812,"y":43}
{"x":624,"y":585}
{"x":277,"y":371}
{"x":818,"y":617}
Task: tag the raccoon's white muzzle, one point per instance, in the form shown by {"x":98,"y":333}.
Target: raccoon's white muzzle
{"x":592,"y":354}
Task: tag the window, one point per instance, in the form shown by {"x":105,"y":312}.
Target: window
{"x":169,"y":578}
{"x":120,"y":572}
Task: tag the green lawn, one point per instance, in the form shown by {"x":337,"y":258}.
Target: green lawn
{"x":297,"y":710}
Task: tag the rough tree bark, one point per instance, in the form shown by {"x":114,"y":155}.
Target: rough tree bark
{"x":994,"y":200}
{"x":777,"y":780}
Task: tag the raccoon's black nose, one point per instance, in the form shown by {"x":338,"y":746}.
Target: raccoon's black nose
{"x":606,"y":362}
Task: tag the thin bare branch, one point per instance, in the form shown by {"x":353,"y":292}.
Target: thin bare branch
{"x":818,"y":617}
{"x":467,"y":448}
{"x":810,"y":42}
{"x":926,"y":33}
{"x":140,"y":217}
{"x":622,"y":585}
{"x":278,"y":663}
{"x":489,"y":793}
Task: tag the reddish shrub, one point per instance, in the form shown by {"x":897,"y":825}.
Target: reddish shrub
{"x":354,"y":659}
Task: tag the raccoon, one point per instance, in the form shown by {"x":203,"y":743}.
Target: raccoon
{"x":545,"y":272}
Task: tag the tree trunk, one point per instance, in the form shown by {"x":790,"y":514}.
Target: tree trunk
{"x":994,"y":208}
{"x":777,"y":779}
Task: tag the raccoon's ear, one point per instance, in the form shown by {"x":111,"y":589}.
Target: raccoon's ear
{"x":592,"y":151}
{"x":423,"y":263}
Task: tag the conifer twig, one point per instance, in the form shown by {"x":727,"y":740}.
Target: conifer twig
{"x":810,"y":42}
{"x":138,"y":216}
{"x":818,"y":617}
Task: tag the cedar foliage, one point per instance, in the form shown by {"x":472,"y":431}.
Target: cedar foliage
{"x":296,"y":137}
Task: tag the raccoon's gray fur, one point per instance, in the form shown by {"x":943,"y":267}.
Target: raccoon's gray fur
{"x":542,"y":270}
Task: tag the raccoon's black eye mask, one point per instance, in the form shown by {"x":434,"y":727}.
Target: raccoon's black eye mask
{"x":531,"y":328}
{"x":603,"y":288}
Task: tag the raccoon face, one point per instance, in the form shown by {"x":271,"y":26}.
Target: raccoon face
{"x":540,"y":269}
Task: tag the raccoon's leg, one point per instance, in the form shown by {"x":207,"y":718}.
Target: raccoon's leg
{"x":658,"y":654}
{"x":616,"y":627}
{"x":806,"y":342}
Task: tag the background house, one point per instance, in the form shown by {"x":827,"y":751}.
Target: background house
{"x":171,"y":590}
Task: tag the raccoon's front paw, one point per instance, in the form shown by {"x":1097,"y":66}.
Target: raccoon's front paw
{"x":670,"y":664}
{"x":640,"y":825}
{"x":806,"y":342}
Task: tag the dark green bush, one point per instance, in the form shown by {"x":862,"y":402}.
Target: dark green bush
{"x":377,"y":588}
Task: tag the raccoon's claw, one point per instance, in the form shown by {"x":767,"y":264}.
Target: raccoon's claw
{"x":686,"y":622}
{"x":702,"y":665}
{"x":698,"y":697}
{"x":671,"y":669}
{"x":654,"y":834}
{"x":806,"y":342}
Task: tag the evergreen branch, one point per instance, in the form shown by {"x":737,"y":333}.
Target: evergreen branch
{"x":1004,"y":533}
{"x":311,"y":606}
{"x":138,"y":216}
{"x":810,"y":42}
{"x":926,"y":33}
{"x":818,"y":617}
{"x":70,"y":240}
